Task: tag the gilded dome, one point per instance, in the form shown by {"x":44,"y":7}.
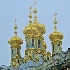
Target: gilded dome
{"x":56,"y":36}
{"x":34,"y":27}
{"x":15,"y":41}
{"x":30,"y":30}
{"x":40,"y":27}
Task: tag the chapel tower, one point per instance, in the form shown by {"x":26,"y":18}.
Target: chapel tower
{"x":56,"y":38}
{"x":15,"y":43}
{"x":34,"y":38}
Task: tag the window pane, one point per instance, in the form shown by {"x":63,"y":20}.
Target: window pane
{"x":12,"y":51}
{"x":32,"y":42}
{"x":38,"y":43}
{"x":53,"y":48}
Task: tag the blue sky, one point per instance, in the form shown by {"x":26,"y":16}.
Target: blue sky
{"x":11,"y":9}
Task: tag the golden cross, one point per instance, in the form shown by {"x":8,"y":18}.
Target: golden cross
{"x":55,"y":22}
{"x":15,"y":20}
{"x":30,"y":8}
{"x":30,"y":16}
{"x":55,"y":14}
{"x":15,"y":27}
{"x":34,"y":2}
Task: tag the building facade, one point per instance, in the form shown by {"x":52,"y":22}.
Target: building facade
{"x":36,"y":57}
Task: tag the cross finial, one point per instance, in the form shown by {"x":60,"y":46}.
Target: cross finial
{"x":15,"y":27}
{"x":30,"y":8}
{"x":30,"y":15}
{"x":55,"y":22}
{"x":15,"y":20}
{"x":34,"y":2}
{"x":35,"y":11}
{"x":55,"y":14}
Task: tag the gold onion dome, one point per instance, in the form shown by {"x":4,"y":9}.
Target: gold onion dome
{"x":30,"y":30}
{"x":56,"y":35}
{"x":15,"y":41}
{"x":40,"y":27}
{"x":34,"y":27}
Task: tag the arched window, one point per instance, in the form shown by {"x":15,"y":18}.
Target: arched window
{"x":38,"y":43}
{"x":33,"y":55}
{"x":47,"y":58}
{"x":27,"y":45}
{"x":58,"y":44}
{"x":32,"y":42}
{"x":12,"y":51}
{"x":18,"y":51}
{"x":27,"y":42}
{"x":18,"y":61}
{"x":53,"y":48}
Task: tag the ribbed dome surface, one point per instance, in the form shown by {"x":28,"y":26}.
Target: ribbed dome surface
{"x":56,"y":35}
